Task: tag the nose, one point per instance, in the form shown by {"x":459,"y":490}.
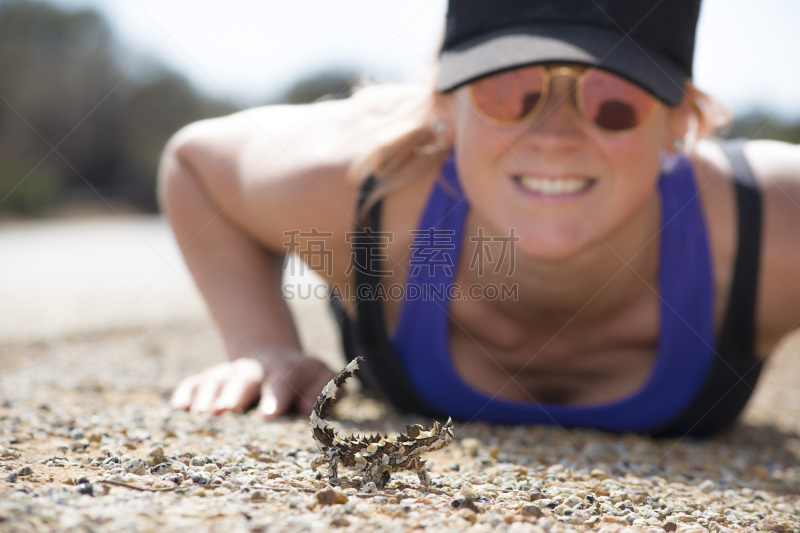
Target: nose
{"x":559,"y":123}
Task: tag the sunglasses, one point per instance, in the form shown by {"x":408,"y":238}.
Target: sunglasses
{"x":611,"y":103}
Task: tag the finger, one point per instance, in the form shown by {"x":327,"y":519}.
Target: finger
{"x":237,"y":394}
{"x":206,"y":395}
{"x":181,"y":398}
{"x":276,"y":398}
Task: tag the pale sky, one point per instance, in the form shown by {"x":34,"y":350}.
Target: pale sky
{"x":247,"y":50}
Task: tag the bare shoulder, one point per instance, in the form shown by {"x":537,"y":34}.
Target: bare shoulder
{"x":297,"y":137}
{"x":278,"y":169}
{"x":776,"y":166}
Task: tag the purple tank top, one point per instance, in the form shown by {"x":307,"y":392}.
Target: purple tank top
{"x":686,"y":341}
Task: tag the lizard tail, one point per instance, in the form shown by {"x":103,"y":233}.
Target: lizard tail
{"x":325,"y":399}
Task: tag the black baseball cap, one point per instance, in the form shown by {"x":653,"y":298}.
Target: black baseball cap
{"x":649,"y":42}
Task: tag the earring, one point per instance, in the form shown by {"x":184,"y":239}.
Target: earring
{"x":440,"y":141}
{"x":678,"y":144}
{"x":440,"y":127}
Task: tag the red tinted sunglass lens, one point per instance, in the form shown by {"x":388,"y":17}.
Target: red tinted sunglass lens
{"x":509,"y":96}
{"x":613,"y":103}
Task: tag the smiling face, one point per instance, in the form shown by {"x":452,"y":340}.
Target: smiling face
{"x":558,"y":179}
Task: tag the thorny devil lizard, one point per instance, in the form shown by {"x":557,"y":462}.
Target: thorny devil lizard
{"x":375,"y":457}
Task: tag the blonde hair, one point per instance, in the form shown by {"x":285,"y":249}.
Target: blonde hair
{"x":708,"y":116}
{"x":406,"y":129}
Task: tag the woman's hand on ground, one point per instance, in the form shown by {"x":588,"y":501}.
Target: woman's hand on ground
{"x":280,"y":381}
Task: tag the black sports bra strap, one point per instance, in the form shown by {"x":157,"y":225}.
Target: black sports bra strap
{"x":373,"y":218}
{"x":384,"y":370}
{"x":736,"y":367}
{"x":739,"y":325}
{"x":371,"y":322}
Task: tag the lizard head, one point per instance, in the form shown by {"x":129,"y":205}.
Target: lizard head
{"x":444,"y":435}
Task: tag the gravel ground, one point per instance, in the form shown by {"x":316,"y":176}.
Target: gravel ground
{"x":91,"y":351}
{"x":80,"y":410}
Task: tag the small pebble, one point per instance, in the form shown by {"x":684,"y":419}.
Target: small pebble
{"x":231,"y":470}
{"x":330,"y":496}
{"x":469,"y":492}
{"x":198,"y":461}
{"x":135,"y":466}
{"x":163,"y":468}
{"x":596,"y":473}
{"x":707,"y":486}
{"x":535,"y":495}
{"x":199,"y":478}
{"x":563,"y":510}
{"x":174,"y":478}
{"x":573,"y":501}
{"x":8,"y":452}
{"x":157,"y":454}
{"x":530,"y":509}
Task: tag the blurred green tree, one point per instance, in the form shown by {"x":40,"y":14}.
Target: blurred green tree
{"x":75,"y":127}
{"x":328,"y":84}
{"x":763,"y":125}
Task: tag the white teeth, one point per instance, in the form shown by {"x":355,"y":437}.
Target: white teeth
{"x":553,"y":187}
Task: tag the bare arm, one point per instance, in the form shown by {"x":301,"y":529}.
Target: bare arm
{"x":230,"y":193}
{"x":777,"y":167}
